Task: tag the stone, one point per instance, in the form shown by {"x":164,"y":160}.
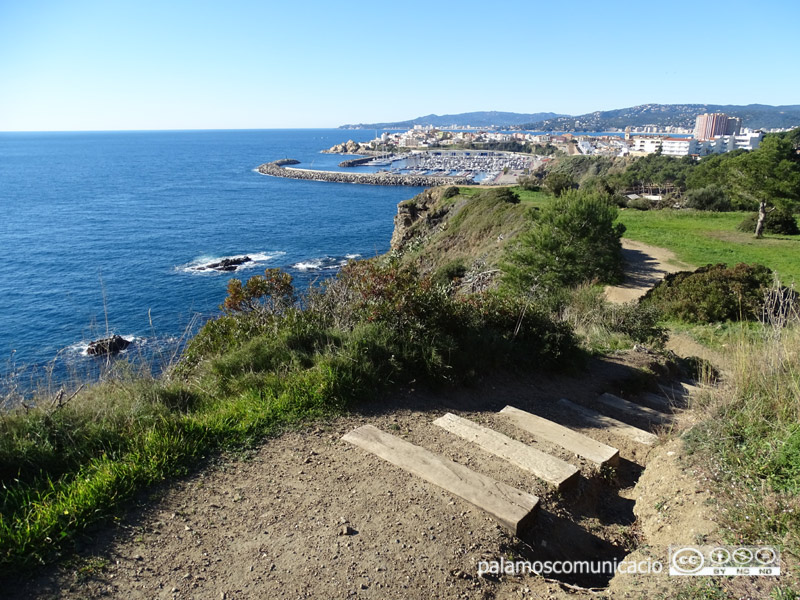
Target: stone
{"x":111,"y":345}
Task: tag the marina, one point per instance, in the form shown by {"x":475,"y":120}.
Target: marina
{"x":475,"y":165}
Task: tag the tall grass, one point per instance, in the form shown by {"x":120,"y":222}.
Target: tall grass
{"x":752,"y":433}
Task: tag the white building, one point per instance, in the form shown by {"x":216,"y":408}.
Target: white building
{"x":673,"y":146}
{"x":646,"y":145}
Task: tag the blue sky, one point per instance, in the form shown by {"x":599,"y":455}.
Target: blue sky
{"x":178,"y":64}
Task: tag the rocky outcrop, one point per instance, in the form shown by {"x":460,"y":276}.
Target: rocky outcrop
{"x":286,"y":161}
{"x":226,"y":264}
{"x":364,"y":178}
{"x":111,"y":345}
{"x":348,"y":147}
{"x":422,"y":210}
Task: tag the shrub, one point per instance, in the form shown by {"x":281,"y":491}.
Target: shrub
{"x":558,"y":183}
{"x":640,"y":204}
{"x":450,"y":192}
{"x":712,"y":293}
{"x":455,"y":269}
{"x":572,"y":240}
{"x":781,"y":222}
{"x":503,"y":194}
{"x":605,"y":326}
{"x":530,"y":183}
{"x":271,"y":292}
{"x":710,"y":198}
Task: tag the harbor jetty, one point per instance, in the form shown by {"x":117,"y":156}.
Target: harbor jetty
{"x":276,"y":169}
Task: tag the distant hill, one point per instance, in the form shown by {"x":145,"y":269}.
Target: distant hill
{"x":753,"y":116}
{"x":491,"y":118}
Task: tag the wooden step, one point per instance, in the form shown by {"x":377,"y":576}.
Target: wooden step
{"x":661,"y":403}
{"x":513,"y":508}
{"x":570,"y":440}
{"x":631,"y":408}
{"x":601,"y":421}
{"x":553,"y":470}
{"x":690,"y":387}
{"x":678,"y":389}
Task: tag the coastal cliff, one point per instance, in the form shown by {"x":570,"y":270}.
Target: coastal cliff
{"x":457,"y":232}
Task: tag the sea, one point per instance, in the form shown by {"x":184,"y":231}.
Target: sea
{"x":109,"y":232}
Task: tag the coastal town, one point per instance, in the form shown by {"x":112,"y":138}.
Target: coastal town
{"x":713,"y":133}
{"x":425,"y":155}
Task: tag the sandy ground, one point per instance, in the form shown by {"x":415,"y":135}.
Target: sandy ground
{"x":645,"y":266}
{"x":310,"y":516}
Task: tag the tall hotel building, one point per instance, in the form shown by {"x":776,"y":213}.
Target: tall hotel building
{"x":710,"y":125}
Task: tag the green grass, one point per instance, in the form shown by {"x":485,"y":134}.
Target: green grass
{"x":699,"y":238}
{"x":533,"y":198}
{"x":527,"y":197}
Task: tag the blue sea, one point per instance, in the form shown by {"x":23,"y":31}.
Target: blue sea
{"x":107,"y":231}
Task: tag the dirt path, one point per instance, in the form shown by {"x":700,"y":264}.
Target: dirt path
{"x":310,"y":516}
{"x":645,"y":266}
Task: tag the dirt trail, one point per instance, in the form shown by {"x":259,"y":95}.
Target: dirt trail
{"x":310,"y":516}
{"x":645,"y":266}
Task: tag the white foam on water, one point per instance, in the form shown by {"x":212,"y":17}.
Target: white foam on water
{"x":324,"y":263}
{"x":200,"y":265}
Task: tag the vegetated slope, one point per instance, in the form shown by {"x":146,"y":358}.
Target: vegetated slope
{"x":457,"y":232}
{"x":490,"y":118}
{"x":677,"y":115}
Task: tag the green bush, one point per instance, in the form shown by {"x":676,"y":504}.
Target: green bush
{"x":712,"y":293}
{"x":530,"y":183}
{"x":449,"y":272}
{"x":572,"y":240}
{"x":640,"y":204}
{"x":710,"y":198}
{"x":781,"y":222}
{"x":450,"y":192}
{"x":604,"y":326}
{"x":558,"y":183}
{"x":503,"y":194}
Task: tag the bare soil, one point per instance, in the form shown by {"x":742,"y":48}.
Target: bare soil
{"x":645,"y":266}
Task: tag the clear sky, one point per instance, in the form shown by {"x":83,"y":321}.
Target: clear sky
{"x":181,"y":64}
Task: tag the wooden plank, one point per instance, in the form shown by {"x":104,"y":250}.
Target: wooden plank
{"x":661,"y":403}
{"x":570,"y":440}
{"x":513,"y":508}
{"x":689,"y":387}
{"x":678,"y":389}
{"x":631,"y":408}
{"x":601,"y":421}
{"x":544,"y":466}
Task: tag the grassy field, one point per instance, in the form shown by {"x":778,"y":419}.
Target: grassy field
{"x":700,"y":238}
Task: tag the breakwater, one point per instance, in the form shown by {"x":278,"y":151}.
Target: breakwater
{"x":276,"y":170}
{"x":355,"y":162}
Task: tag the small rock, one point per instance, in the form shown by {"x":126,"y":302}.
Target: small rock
{"x":347,"y":530}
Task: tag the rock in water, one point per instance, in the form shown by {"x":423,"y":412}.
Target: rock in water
{"x":227,"y":264}
{"x":112,"y":345}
